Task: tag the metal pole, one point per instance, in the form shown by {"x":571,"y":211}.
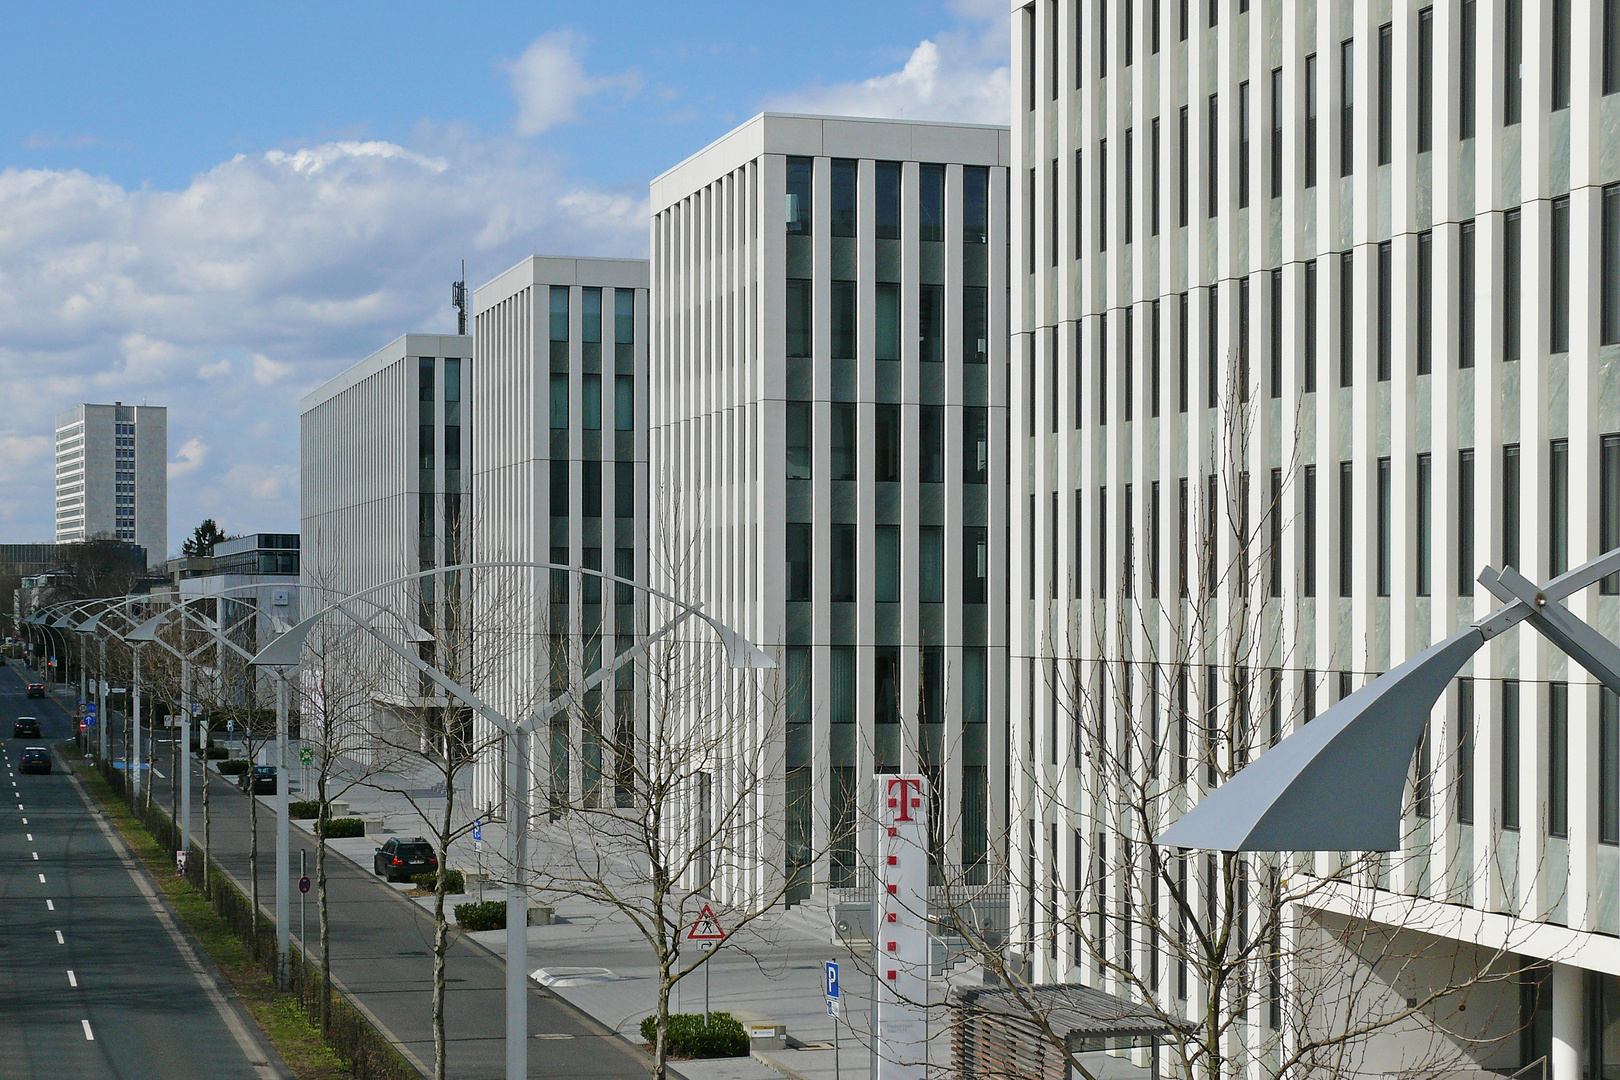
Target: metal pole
{"x":837,"y":1071}
{"x":101,"y":695}
{"x":706,"y":993}
{"x":185,"y":754}
{"x":517,"y":907}
{"x":303,"y":925}
{"x":135,"y":683}
{"x":283,"y":857}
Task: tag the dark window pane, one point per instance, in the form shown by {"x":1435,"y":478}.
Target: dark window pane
{"x":1510,"y":505}
{"x":1558,"y":509}
{"x":886,"y":564}
{"x":1559,"y":275}
{"x":843,"y":563}
{"x":931,"y":203}
{"x":975,"y":204}
{"x":844,"y":440}
{"x":886,"y":444}
{"x":1510,"y":285}
{"x":1510,"y":754}
{"x":1425,"y":301}
{"x":1425,"y":522}
{"x":799,"y":172}
{"x":931,"y":323}
{"x":975,"y":324}
{"x":1465,"y":523}
{"x":1558,"y":759}
{"x":887,"y":204}
{"x":800,"y":424}
{"x":797,"y":317}
{"x":844,"y":173}
{"x":1465,"y":295}
{"x":931,"y":444}
{"x":798,"y":561}
{"x":887,"y":343}
{"x":975,"y":444}
{"x":1425,"y":75}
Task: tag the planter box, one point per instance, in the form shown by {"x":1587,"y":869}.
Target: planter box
{"x":374,"y":826}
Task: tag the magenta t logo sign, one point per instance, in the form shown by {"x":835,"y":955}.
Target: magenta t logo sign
{"x":902,"y":930}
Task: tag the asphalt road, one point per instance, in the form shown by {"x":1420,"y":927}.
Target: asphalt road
{"x":97,"y":977}
{"x":382,"y":953}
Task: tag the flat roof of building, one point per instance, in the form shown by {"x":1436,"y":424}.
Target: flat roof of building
{"x":833,"y":136}
{"x":561,"y":270}
{"x":405,"y":345}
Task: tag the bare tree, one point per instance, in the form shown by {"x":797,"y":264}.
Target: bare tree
{"x":429,"y":745}
{"x":1262,"y":961}
{"x":686,"y":807}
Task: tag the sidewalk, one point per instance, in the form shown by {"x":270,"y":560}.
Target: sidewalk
{"x":594,"y":958}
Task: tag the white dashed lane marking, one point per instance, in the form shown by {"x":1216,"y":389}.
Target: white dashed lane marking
{"x":72,"y":980}
{"x":50,"y":905}
{"x":59,"y":939}
{"x":88,"y":1036}
{"x":30,"y":838}
{"x":35,"y":854}
{"x":42,"y":879}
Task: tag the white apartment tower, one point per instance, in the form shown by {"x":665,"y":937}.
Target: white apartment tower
{"x":560,"y":476}
{"x":828,"y":414}
{"x":1342,"y":278}
{"x":112,"y":476}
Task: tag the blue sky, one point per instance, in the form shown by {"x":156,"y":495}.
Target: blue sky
{"x":217,"y":208}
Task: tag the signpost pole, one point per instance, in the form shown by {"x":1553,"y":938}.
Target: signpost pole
{"x":706,"y":993}
{"x":303,"y":894}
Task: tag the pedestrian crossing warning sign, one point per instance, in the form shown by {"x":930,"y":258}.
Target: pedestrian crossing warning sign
{"x":707,"y":927}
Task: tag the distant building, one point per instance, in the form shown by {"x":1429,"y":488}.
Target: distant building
{"x":253,"y":581}
{"x":112,"y":479}
{"x":27,"y":559}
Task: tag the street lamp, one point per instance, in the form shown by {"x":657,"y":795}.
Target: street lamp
{"x":284,"y":651}
{"x":1336,"y":783}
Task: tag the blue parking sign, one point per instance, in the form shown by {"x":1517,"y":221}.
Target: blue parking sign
{"x":833,"y":1002}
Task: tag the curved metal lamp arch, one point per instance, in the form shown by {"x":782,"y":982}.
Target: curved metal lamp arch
{"x":1336,"y":783}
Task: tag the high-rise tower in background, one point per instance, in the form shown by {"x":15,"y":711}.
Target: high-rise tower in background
{"x":112,"y":479}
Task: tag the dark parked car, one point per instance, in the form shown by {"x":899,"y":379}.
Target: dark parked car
{"x":35,"y":759}
{"x":36,"y":689}
{"x":261,"y":779}
{"x":26,"y":727}
{"x":401,"y":860}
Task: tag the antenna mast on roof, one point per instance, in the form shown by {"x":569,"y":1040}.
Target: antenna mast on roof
{"x":458,"y":298}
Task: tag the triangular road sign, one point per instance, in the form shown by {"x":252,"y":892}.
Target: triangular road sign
{"x":707,"y":927}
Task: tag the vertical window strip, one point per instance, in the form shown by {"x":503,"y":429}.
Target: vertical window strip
{"x":1384,"y":515}
{"x":1424,"y":501}
{"x":1276,"y":133}
{"x":1425,"y":81}
{"x":1386,"y":93}
{"x":1558,"y":507}
{"x":1511,"y":267}
{"x":1510,"y":754}
{"x":1308,"y":516}
{"x":1386,"y":313}
{"x":1347,"y":538}
{"x":1347,"y":318}
{"x":1309,"y":352}
{"x":1510,"y":505}
{"x":1347,"y":107}
{"x":1558,"y":283}
{"x":1276,"y":284}
{"x":1464,"y":728}
{"x":1465,"y":294}
{"x":1558,"y":759}
{"x":1467,"y":43}
{"x":1425,"y":302}
{"x":1465,"y":522}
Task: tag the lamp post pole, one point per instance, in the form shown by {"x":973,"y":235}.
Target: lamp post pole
{"x":184,"y":779}
{"x":517,"y":905}
{"x":135,"y":720}
{"x":101,"y":694}
{"x":283,"y":857}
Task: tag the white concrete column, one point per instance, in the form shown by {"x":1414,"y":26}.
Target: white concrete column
{"x":1568,"y":1023}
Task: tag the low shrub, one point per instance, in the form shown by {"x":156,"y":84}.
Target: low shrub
{"x":489,"y":915}
{"x":233,"y":768}
{"x":217,"y":753}
{"x":303,"y":809}
{"x":689,"y":1037}
{"x":339,"y":827}
{"x":454,"y":882}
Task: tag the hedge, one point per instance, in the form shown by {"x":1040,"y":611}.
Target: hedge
{"x":217,"y":753}
{"x":454,"y":883}
{"x":489,"y":915}
{"x":724,"y":1036}
{"x":233,"y":768}
{"x":303,"y":809}
{"x":339,"y":827}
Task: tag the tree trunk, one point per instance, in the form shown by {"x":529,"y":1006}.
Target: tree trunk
{"x":320,"y":904}
{"x":661,"y":1039}
{"x":208,"y":821}
{"x":441,"y":930}
{"x":253,"y":848}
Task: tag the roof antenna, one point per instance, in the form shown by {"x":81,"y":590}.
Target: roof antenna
{"x":458,"y":299}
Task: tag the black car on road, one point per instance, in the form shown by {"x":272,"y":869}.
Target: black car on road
{"x":260,"y":780}
{"x":35,"y":759}
{"x":401,"y":860}
{"x":36,"y":689}
{"x":26,"y":727}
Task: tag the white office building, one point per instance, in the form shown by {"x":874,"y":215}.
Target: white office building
{"x":559,"y":475}
{"x":112,"y":476}
{"x":1343,"y":277}
{"x":828,"y":421}
{"x":382,"y":455}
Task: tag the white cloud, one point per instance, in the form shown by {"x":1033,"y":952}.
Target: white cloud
{"x":960,"y":75}
{"x":549,"y":81}
{"x":189,"y":459}
{"x":266,"y":371}
{"x":274,"y":269}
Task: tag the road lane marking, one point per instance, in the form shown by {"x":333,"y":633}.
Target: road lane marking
{"x":42,"y":879}
{"x":72,"y":981}
{"x":35,"y":854}
{"x":50,"y":905}
{"x":233,"y":1023}
{"x":59,"y":940}
{"x":30,"y":838}
{"x":88,"y":1036}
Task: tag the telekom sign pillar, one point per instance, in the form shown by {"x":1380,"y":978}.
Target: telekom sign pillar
{"x":902,"y":930}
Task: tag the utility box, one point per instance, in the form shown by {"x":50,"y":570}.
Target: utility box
{"x":766,"y":1035}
